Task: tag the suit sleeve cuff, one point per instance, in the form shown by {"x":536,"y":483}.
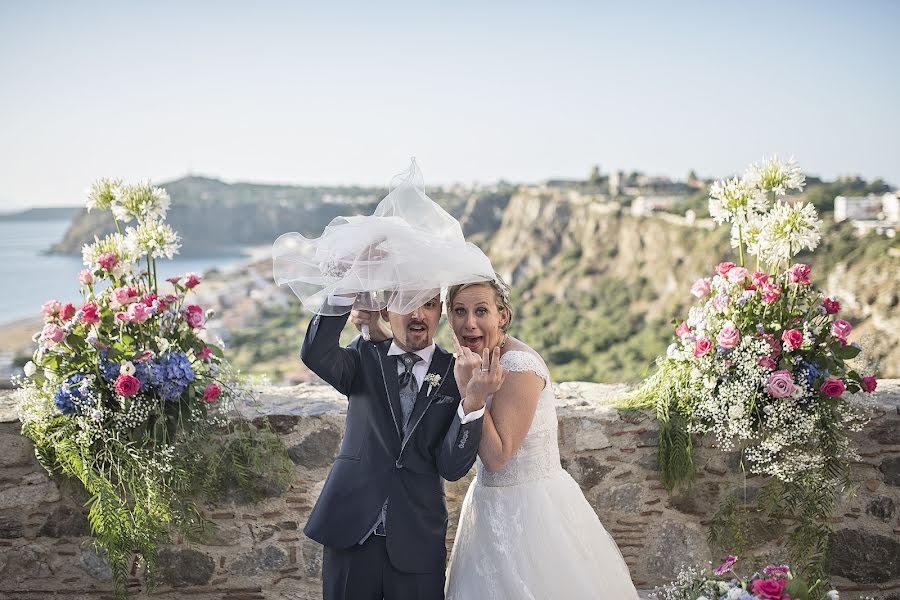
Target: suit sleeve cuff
{"x":472,"y":416}
{"x":341,"y":300}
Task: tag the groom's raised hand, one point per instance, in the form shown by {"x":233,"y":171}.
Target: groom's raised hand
{"x":378,"y":329}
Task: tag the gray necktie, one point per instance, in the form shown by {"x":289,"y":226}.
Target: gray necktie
{"x":409,"y":389}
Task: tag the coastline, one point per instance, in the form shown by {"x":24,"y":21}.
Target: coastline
{"x":15,"y":335}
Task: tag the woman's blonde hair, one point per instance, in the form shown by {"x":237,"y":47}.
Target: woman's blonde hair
{"x":501,"y":291}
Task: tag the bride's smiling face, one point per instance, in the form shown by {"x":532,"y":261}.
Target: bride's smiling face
{"x":475,"y":318}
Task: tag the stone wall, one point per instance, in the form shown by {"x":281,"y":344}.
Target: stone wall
{"x":260,"y":552}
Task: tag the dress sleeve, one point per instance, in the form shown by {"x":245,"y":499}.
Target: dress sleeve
{"x":520,"y":361}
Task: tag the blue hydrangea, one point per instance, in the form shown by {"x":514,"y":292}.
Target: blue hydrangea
{"x":142,"y":373}
{"x":108,"y":368}
{"x":171,"y":373}
{"x":69,"y":396}
{"x":810,"y":371}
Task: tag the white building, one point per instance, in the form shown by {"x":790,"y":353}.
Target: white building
{"x":643,"y":205}
{"x":861,"y":208}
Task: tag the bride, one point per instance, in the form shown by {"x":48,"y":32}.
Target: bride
{"x":526,"y":530}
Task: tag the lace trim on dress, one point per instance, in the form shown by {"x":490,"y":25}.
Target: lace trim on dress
{"x":522,"y":361}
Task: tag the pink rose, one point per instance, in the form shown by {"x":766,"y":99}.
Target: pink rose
{"x":723,"y":268}
{"x":702,"y":346}
{"x":50,"y":308}
{"x":831,"y":305}
{"x":738,"y":274}
{"x":86,"y":277}
{"x":89,"y":313}
{"x":122,"y":316}
{"x":729,"y":335}
{"x":195,"y":316}
{"x":138,"y":312}
{"x":770,"y":589}
{"x":123,"y":296}
{"x":108,"y":261}
{"x":205,"y":353}
{"x":766,"y":362}
{"x":67,"y":312}
{"x":780,"y":384}
{"x":833,"y":387}
{"x":770,"y":293}
{"x":127,"y":385}
{"x":841,"y":329}
{"x":869,"y":383}
{"x":211,"y":393}
{"x":759,"y":278}
{"x":701,"y":288}
{"x":682,"y":330}
{"x":191,"y":280}
{"x":799,"y":273}
{"x":52,"y":334}
{"x":792,"y":338}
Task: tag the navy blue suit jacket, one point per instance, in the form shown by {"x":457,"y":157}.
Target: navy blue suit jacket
{"x":376,"y":462}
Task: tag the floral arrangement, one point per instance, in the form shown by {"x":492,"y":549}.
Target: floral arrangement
{"x":776,"y":582}
{"x":125,"y":395}
{"x":760,"y":362}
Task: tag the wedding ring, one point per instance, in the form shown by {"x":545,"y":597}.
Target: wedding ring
{"x":483,"y":370}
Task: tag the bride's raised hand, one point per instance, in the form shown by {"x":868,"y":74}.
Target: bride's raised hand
{"x":466,"y":363}
{"x":486,"y":380}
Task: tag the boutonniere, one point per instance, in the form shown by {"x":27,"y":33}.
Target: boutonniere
{"x":433,"y":380}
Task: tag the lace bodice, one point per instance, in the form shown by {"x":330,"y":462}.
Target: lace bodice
{"x":538,"y":457}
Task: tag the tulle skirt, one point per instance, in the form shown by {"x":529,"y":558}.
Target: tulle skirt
{"x":539,"y":540}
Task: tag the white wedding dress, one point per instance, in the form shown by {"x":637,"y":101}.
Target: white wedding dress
{"x":527,"y":532}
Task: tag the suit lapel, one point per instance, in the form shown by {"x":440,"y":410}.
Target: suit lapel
{"x":388,"y":366}
{"x":442,"y":365}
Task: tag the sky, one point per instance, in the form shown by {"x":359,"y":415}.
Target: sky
{"x":345,"y":92}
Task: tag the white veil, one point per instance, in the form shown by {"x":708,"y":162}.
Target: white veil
{"x":397,"y":258}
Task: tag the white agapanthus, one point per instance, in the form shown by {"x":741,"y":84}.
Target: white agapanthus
{"x":786,"y":230}
{"x":733,"y":200}
{"x":152,"y":238}
{"x":771,"y":176}
{"x":113,"y":243}
{"x":749,"y":232}
{"x":103,"y":194}
{"x":141,"y":201}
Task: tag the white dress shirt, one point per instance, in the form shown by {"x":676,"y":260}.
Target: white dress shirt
{"x":420,"y":369}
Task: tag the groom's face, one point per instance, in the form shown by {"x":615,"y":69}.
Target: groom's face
{"x":415,"y":330}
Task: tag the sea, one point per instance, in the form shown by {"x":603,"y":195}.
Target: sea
{"x":29,"y":275}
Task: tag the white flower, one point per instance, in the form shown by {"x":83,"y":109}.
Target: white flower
{"x":97,"y":415}
{"x":749,"y":232}
{"x":142,"y":202}
{"x":771,"y":176}
{"x":433,"y":380}
{"x":163,"y":344}
{"x":126,"y":368}
{"x":113,"y":243}
{"x":30,"y":369}
{"x":733,"y":200}
{"x":103,"y":194}
{"x":152,"y":238}
{"x":786,"y":230}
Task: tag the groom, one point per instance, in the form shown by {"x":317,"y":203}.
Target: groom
{"x":381,"y":514}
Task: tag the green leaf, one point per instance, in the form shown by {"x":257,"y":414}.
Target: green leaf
{"x":846,"y":352}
